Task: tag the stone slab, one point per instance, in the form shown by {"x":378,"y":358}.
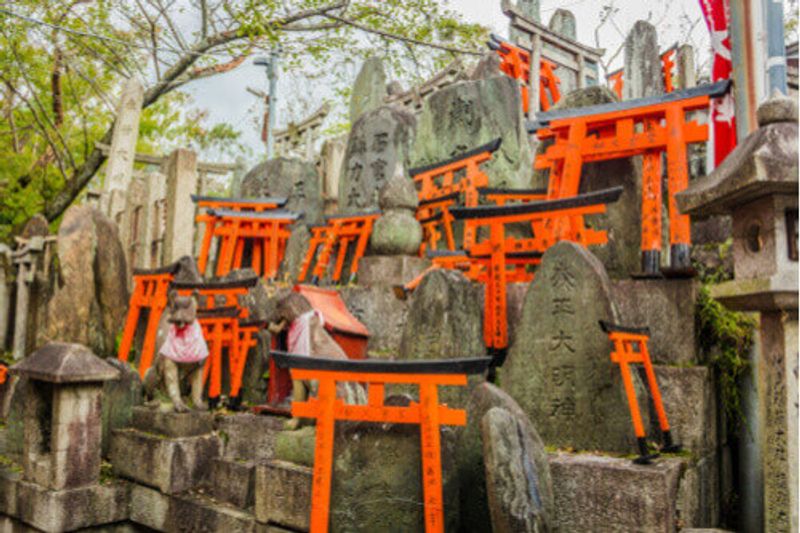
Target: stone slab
{"x":382,"y":313}
{"x":190,"y":512}
{"x":283,"y":494}
{"x":232,"y":482}
{"x":170,"y":465}
{"x":389,"y":270}
{"x":247,"y":436}
{"x":170,"y":424}
{"x":699,"y":499}
{"x":690,"y":401}
{"x":71,"y":509}
{"x":600,"y":493}
{"x":667,"y":306}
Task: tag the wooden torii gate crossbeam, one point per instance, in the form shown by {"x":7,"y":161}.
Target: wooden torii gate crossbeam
{"x":326,"y":408}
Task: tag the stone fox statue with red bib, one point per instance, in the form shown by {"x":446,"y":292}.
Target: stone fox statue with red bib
{"x":181,"y":354}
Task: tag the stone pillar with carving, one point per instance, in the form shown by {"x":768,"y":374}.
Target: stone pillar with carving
{"x":757,"y":184}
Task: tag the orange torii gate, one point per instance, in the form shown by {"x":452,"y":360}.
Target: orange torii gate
{"x":630,"y":346}
{"x":555,"y":219}
{"x":233,"y":204}
{"x":438,"y":189}
{"x":220,"y":331}
{"x":341,"y":231}
{"x":647,"y":127}
{"x":268,"y":231}
{"x":150,"y":290}
{"x":517,"y":64}
{"x":616,"y":81}
{"x":326,"y":408}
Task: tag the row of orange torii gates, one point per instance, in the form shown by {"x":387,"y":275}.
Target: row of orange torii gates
{"x":656,"y":128}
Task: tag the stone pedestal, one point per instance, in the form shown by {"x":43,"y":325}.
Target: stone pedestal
{"x":283,"y":495}
{"x":168,"y":451}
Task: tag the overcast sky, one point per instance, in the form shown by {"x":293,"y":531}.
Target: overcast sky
{"x":227,"y":100}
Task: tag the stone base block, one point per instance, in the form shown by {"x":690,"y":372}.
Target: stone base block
{"x":691,"y":405}
{"x":164,"y":512}
{"x":170,"y":465}
{"x":232,"y":482}
{"x":667,"y":307}
{"x":595,"y":493}
{"x":8,"y":491}
{"x":283,"y":495}
{"x":169,"y":424}
{"x":71,"y":509}
{"x":247,"y":436}
{"x":388,"y":270}
{"x":382,"y":313}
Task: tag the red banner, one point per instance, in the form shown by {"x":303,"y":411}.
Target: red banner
{"x":718,"y":15}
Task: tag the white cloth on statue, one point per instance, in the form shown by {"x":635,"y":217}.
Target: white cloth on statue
{"x":185,"y":345}
{"x":299,"y":337}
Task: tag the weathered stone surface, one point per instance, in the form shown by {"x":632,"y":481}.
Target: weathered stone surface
{"x":369,"y":89}
{"x":63,"y":362}
{"x":597,"y":493}
{"x":87,"y":297}
{"x":622,"y":220}
{"x":296,"y":248}
{"x":329,"y":167}
{"x":643,"y":74}
{"x":380,"y":311}
{"x":777,"y":109}
{"x":283,"y":494}
{"x":248,"y":436}
{"x":389,"y":270}
{"x":667,"y":307}
{"x":475,"y":516}
{"x":71,"y":509}
{"x":232,"y":482}
{"x":487,"y":67}
{"x":120,"y":397}
{"x":182,"y":181}
{"x":515,"y":300}
{"x":384,"y":461}
{"x":283,"y":177}
{"x":514,"y":486}
{"x":444,"y":321}
{"x":690,"y":400}
{"x":698,"y":502}
{"x":172,"y":424}
{"x":397,"y":231}
{"x":469,"y":114}
{"x":563,"y":23}
{"x":379,"y":141}
{"x":163,"y":512}
{"x":296,"y":446}
{"x":528,"y":9}
{"x":170,"y":465}
{"x":559,"y":370}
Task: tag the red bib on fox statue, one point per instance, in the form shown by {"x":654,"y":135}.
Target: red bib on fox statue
{"x":185,"y":344}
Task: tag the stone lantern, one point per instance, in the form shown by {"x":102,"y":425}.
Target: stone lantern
{"x":757,"y":185}
{"x":61,"y":448}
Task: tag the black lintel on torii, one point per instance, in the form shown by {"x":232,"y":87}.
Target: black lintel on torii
{"x":257,"y":215}
{"x":490,"y":147}
{"x":471,"y":365}
{"x":714,"y":90}
{"x":277,"y":200}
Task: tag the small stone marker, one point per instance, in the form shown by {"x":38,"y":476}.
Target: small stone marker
{"x":516,"y":501}
{"x":294,"y":179}
{"x":369,"y":89}
{"x":643,"y":74}
{"x":379,"y":141}
{"x":559,"y":370}
{"x":563,"y":23}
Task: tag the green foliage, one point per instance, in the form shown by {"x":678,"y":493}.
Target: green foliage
{"x":725,"y":337}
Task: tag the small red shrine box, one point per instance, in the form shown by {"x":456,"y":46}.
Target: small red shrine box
{"x":346,"y":330}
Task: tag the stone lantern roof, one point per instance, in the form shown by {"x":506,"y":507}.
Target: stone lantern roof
{"x":764,"y":163}
{"x":61,"y":362}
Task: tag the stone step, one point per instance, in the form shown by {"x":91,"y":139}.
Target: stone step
{"x":169,"y":464}
{"x":248,"y":436}
{"x":170,"y":424}
{"x":187,"y":512}
{"x":232,"y":481}
{"x":283,"y":495}
{"x":593,"y":491}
